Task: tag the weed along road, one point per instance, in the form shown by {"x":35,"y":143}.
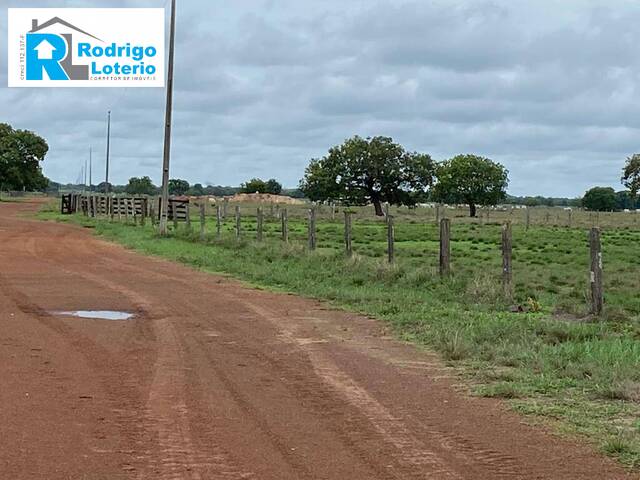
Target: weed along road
{"x":214,"y":380}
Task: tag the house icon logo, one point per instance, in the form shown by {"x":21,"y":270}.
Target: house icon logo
{"x":86,"y":47}
{"x":52,"y":54}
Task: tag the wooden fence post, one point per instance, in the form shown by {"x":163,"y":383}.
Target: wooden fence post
{"x":238,"y":224}
{"x":126,"y":210}
{"x":203,"y":219}
{"x":527,"y":218}
{"x":333,"y":211}
{"x":143,"y":212}
{"x":597,"y":290}
{"x":569,"y":220}
{"x":152,"y":212}
{"x":225,"y":204}
{"x":134,"y":206}
{"x":188,"y":218}
{"x":347,"y":234}
{"x":437,"y":214}
{"x":312,"y":228}
{"x":260,"y":223}
{"x":390,"y":238}
{"x":507,"y":253}
{"x":271,"y":210}
{"x":218,"y":221}
{"x":445,"y":246}
{"x":285,"y":225}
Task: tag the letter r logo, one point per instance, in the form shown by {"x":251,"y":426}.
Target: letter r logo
{"x":45,"y":51}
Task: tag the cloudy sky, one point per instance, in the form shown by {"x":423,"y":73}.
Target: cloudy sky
{"x":547,"y":88}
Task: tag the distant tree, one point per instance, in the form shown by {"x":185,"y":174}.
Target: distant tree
{"x":293,"y":192}
{"x":624,"y":201}
{"x":575,"y":202}
{"x":196,"y":190}
{"x":141,"y":186}
{"x":631,"y":174}
{"x":255,"y":185}
{"x":369,"y":170}
{"x":273,"y":187}
{"x":220,"y":191}
{"x":600,"y":199}
{"x":178,"y":186}
{"x":53,"y":187}
{"x":21,"y":153}
{"x":472,"y":180}
{"x":101,"y":187}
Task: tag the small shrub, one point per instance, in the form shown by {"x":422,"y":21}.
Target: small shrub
{"x":484,"y":288}
{"x":454,"y":347}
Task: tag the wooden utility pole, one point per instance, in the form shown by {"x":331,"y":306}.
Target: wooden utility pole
{"x":90,"y":170}
{"x":167,"y":125}
{"x":106,"y":180}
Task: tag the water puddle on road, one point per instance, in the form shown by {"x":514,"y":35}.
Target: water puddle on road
{"x":97,"y":314}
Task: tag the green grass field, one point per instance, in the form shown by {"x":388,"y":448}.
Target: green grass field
{"x":554,"y":362}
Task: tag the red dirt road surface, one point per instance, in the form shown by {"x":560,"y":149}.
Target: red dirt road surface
{"x":213,"y":380}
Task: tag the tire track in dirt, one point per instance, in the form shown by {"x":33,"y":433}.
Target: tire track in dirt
{"x":410,"y":451}
{"x":413,"y":460}
{"x":165,"y":411}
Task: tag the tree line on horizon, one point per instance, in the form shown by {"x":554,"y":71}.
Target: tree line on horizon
{"x":360,"y":171}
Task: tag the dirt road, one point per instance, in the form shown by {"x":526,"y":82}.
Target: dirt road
{"x":213,"y":380}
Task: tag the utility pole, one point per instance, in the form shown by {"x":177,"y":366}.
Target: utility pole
{"x":106,"y":181}
{"x":164,"y":205}
{"x":84,"y":176}
{"x":90,"y":170}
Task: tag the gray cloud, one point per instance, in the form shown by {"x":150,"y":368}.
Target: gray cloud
{"x":262,"y":86}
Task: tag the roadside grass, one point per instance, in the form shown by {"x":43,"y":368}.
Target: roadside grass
{"x":552,"y":362}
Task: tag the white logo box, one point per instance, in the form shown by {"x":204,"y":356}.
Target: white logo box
{"x":102,"y":29}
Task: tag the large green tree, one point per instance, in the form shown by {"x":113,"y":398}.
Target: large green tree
{"x":471,"y":179}
{"x":369,"y":170}
{"x":601,"y":199}
{"x":21,"y":153}
{"x":178,"y":186}
{"x":141,"y":186}
{"x":631,"y":174}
